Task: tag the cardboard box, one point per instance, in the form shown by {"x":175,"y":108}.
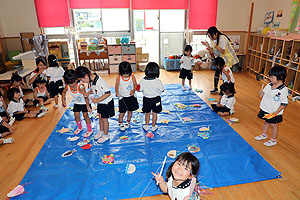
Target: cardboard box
{"x":140,"y":58}
{"x":139,"y":50}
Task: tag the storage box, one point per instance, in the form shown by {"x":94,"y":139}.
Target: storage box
{"x":129,"y":58}
{"x":114,"y":59}
{"x":172,"y":64}
{"x":142,"y":57}
{"x":138,"y":50}
{"x":113,"y":69}
{"x":128,"y":49}
{"x":114,"y":49}
{"x":142,"y":66}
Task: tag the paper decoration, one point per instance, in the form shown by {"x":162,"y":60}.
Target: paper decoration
{"x":172,"y":153}
{"x":181,"y":106}
{"x":165,"y":111}
{"x":84,"y":142}
{"x":150,"y":135}
{"x":198,"y":91}
{"x":87,"y":146}
{"x":68,"y":153}
{"x":187,"y":119}
{"x":130,"y":169}
{"x":125,"y":137}
{"x":73,"y":138}
{"x":164,"y":121}
{"x":108,"y":159}
{"x":204,"y":132}
{"x":195,"y":105}
{"x":270,"y":115}
{"x":64,"y":130}
{"x":193,"y":148}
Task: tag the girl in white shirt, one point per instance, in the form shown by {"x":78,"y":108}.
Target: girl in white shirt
{"x":181,"y":177}
{"x":152,"y":87}
{"x":81,"y":103}
{"x":187,"y":62}
{"x":125,"y":89}
{"x":56,"y":73}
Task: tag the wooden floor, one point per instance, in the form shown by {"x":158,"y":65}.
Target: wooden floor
{"x":30,"y":135}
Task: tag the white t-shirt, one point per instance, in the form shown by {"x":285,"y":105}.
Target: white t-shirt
{"x":100,"y":88}
{"x":39,"y":93}
{"x":77,"y":95}
{"x":188,"y":62}
{"x":55,"y":73}
{"x":178,"y":193}
{"x":126,"y":85}
{"x":151,"y":87}
{"x":228,"y":102}
{"x":224,"y":77}
{"x":14,"y":107}
{"x":274,"y":98}
{"x":2,"y":109}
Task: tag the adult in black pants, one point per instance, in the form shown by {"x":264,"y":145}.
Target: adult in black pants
{"x":219,"y":46}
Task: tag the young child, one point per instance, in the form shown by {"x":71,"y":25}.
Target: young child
{"x":186,"y":66}
{"x":102,"y":97}
{"x":180,"y":176}
{"x":152,"y":87}
{"x":41,"y":95}
{"x":125,"y":89}
{"x":40,"y":71}
{"x":274,"y":100}
{"x":17,"y":82}
{"x":5,"y":130}
{"x":226,"y":105}
{"x":227,"y":75}
{"x":81,"y":103}
{"x":3,"y":109}
{"x":55,"y":72}
{"x":16,"y":107}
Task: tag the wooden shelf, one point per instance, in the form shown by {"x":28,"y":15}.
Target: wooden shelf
{"x":259,"y":59}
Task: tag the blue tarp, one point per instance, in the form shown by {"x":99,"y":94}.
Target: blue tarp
{"x":225,"y":157}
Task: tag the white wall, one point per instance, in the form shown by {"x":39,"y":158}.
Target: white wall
{"x":18,"y":16}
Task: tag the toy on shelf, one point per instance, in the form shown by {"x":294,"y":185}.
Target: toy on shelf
{"x":108,"y":159}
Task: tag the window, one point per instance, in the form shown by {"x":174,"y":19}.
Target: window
{"x":115,"y":19}
{"x":54,"y":31}
{"x":172,"y":20}
{"x":196,"y":43}
{"x":87,"y":20}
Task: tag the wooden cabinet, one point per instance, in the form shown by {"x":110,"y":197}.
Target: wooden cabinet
{"x":264,"y":52}
{"x":61,"y":50}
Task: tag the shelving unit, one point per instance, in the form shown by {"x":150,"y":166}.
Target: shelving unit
{"x":121,"y":52}
{"x":264,"y":52}
{"x":61,"y":51}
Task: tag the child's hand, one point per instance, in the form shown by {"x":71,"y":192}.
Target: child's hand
{"x":86,"y":95}
{"x":131,"y":92}
{"x":205,"y":43}
{"x":261,"y":92}
{"x":89,"y":109}
{"x":181,"y":61}
{"x":158,"y":178}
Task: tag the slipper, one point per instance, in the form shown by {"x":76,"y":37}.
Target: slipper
{"x":103,"y":139}
{"x":77,"y":131}
{"x":98,"y":135}
{"x":88,"y":133}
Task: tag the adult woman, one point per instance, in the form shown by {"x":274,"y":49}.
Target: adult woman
{"x":220,"y":46}
{"x":39,"y":71}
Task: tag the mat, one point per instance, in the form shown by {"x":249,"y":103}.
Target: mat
{"x":225,"y":157}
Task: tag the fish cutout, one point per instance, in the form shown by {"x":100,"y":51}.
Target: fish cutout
{"x":187,"y":119}
{"x":68,"y":153}
{"x":130,"y":169}
{"x":165,"y":111}
{"x":181,"y":106}
{"x":150,"y":135}
{"x":87,"y":146}
{"x":84,"y":142}
{"x":198,"y":90}
{"x":73,"y":138}
{"x":108,"y":159}
{"x":204,"y":128}
{"x":64,"y":130}
{"x":125,"y":137}
{"x":193,"y":148}
{"x":269,"y":116}
{"x":195,"y":105}
{"x":164,"y":121}
{"x":172,"y":153}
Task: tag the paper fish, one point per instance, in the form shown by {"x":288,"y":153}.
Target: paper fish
{"x":16,"y":191}
{"x":193,"y":148}
{"x":164,"y":121}
{"x":70,"y":108}
{"x":94,"y":107}
{"x":198,"y":91}
{"x":211,"y":99}
{"x":68,"y":153}
{"x":117,"y":109}
{"x":150,"y":135}
{"x":73,"y":138}
{"x":136,"y":120}
{"x":125,"y":137}
{"x":139,"y":110}
{"x":87,"y":146}
{"x":195,"y":105}
{"x":204,"y":135}
{"x":64,"y":130}
{"x":108,"y":159}
{"x":204,"y":129}
{"x":187,"y":119}
{"x":172,"y":153}
{"x":270,"y":115}
{"x":84,"y":142}
{"x":232,"y":120}
{"x":130,"y":168}
{"x":165,"y":111}
{"x":180,"y":105}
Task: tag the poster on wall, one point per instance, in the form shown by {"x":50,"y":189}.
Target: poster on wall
{"x":279,"y":13}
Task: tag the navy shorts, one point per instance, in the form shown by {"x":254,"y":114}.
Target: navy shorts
{"x":35,"y":102}
{"x":56,"y":87}
{"x":80,"y":108}
{"x":106,"y":110}
{"x":153,"y":104}
{"x":128,"y":104}
{"x":184,"y":73}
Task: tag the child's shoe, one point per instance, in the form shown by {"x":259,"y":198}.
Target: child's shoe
{"x":44,"y":108}
{"x":121,"y":126}
{"x":190,"y":87}
{"x":8,"y":140}
{"x":55,"y":106}
{"x":103,"y":139}
{"x":99,"y":135}
{"x":261,"y":137}
{"x":214,"y":91}
{"x":183,"y":88}
{"x":271,"y":142}
{"x":11,"y":121}
{"x":127,"y":124}
{"x":84,"y":142}
{"x":146,"y":127}
{"x":42,"y":114}
{"x":88,"y":134}
{"x":154,"y":128}
{"x":77,"y":131}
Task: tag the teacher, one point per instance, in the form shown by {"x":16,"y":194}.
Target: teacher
{"x":219,"y":46}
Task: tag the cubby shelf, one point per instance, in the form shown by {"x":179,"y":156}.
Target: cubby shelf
{"x":264,"y":50}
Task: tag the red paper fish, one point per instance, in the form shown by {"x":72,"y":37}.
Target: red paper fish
{"x":87,"y":146}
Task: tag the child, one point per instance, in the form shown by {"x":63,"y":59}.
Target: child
{"x":5,"y":129}
{"x":186,"y":66}
{"x":152,"y":87}
{"x":103,"y":98}
{"x":227,"y":75}
{"x":179,"y":176}
{"x":41,"y":95}
{"x":81,"y":103}
{"x":40,"y":71}
{"x":55,"y":73}
{"x":3,"y":109}
{"x":16,"y":106}
{"x":17,"y":82}
{"x":226,"y":105}
{"x":274,"y":100}
{"x":125,"y":88}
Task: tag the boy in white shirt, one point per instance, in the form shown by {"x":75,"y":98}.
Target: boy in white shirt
{"x":187,"y":62}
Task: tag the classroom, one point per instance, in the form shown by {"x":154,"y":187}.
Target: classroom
{"x":148,"y":99}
